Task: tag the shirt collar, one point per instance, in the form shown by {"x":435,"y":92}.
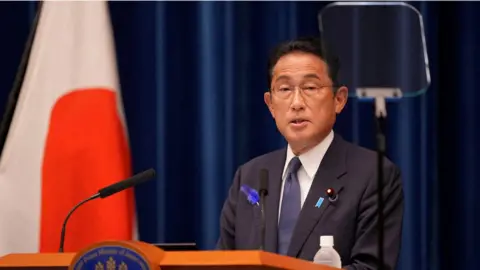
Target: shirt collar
{"x":311,"y":159}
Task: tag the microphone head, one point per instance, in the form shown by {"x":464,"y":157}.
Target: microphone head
{"x":263,"y":182}
{"x":145,"y":175}
{"x":130,"y":182}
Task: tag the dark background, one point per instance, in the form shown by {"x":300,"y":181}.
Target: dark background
{"x":193,"y":75}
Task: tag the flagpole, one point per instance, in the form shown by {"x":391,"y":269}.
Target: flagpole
{"x":17,"y":83}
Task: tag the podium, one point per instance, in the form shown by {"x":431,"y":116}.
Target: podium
{"x":129,"y":255}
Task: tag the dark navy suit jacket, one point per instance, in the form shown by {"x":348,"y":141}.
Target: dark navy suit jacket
{"x":348,"y":169}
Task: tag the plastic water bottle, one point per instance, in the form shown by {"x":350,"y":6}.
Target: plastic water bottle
{"x":327,"y":255}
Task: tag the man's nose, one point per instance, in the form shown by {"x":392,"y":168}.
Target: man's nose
{"x":298,"y":101}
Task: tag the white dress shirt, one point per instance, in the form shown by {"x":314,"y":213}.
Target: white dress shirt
{"x":310,"y":162}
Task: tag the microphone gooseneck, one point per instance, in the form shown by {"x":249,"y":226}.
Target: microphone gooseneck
{"x":263,"y":190}
{"x":106,"y":192}
{"x":64,"y":226}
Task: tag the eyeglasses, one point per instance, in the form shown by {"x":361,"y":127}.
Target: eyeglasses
{"x":287,"y":92}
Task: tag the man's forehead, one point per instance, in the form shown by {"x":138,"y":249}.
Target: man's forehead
{"x":298,"y":67}
{"x":300,"y":60}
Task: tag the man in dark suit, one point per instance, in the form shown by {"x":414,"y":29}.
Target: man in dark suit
{"x":304,"y":99}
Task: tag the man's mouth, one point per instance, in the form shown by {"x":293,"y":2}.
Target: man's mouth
{"x":298,"y":121}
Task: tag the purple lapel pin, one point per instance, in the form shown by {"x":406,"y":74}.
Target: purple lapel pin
{"x":252,"y":194}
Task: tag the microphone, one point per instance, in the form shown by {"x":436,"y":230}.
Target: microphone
{"x":130,"y":182}
{"x":263,"y":190}
{"x":106,"y":192}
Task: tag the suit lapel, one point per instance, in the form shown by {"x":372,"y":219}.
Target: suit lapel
{"x":275,"y":168}
{"x":327,"y":176}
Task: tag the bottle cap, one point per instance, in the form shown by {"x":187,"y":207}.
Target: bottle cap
{"x":326,"y":241}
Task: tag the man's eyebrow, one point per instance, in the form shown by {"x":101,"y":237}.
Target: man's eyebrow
{"x":306,"y":76}
{"x":282,"y":77}
{"x":311,"y":76}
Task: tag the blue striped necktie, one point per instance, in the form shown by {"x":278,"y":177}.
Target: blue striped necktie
{"x":291,"y":206}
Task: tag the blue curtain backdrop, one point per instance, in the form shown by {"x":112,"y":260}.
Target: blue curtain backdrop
{"x":193,"y":75}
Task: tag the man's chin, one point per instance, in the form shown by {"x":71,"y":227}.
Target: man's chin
{"x":298,"y":135}
{"x":298,"y":140}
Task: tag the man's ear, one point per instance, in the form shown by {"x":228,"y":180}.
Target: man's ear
{"x":341,"y":97}
{"x":267,"y":97}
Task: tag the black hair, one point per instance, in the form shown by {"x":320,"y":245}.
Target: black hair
{"x":311,"y":45}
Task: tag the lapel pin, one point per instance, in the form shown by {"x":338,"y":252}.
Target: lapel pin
{"x":319,"y":202}
{"x":332,"y":195}
{"x":252,"y":194}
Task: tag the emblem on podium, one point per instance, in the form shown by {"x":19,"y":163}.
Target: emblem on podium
{"x":111,"y":265}
{"x":114,"y":256}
